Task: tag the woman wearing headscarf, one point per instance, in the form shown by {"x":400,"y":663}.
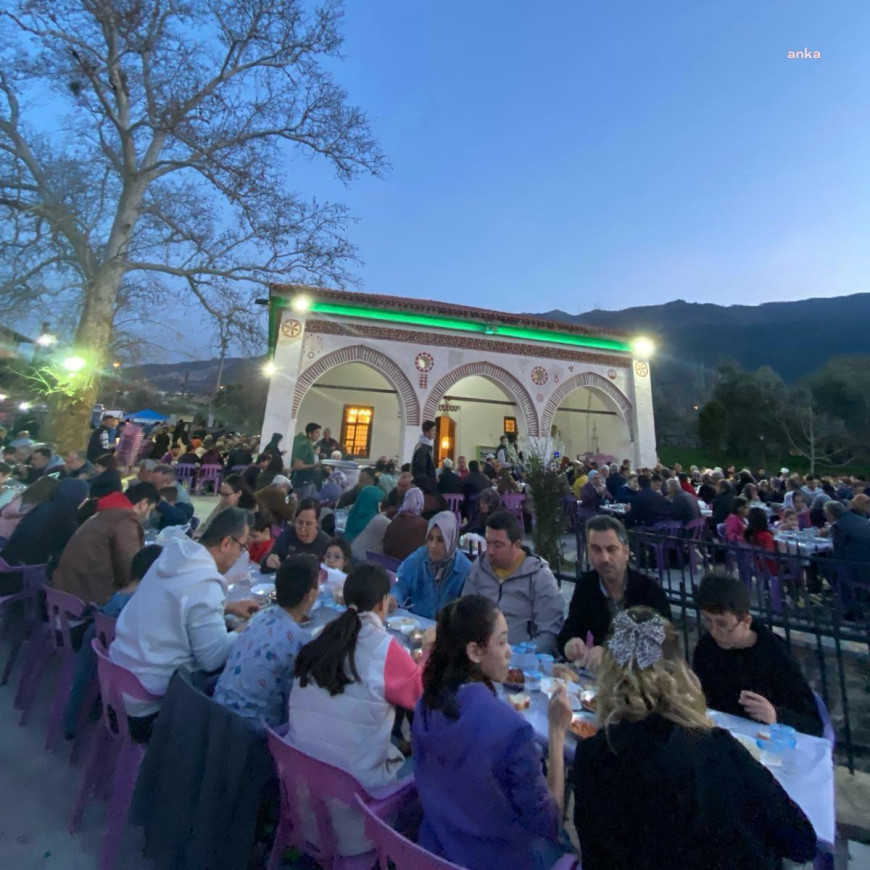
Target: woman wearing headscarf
{"x":434,"y":574}
{"x":433,"y":502}
{"x":488,"y":502}
{"x":44,"y":531}
{"x":408,"y":529}
{"x":364,"y":508}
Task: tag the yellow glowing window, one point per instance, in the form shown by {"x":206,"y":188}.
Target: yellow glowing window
{"x":510,"y":425}
{"x":356,"y":430}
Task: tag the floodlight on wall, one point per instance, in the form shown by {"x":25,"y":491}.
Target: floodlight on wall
{"x":269,"y":369}
{"x":643,"y":347}
{"x":46,"y":340}
{"x":24,"y":406}
{"x":300,"y":304}
{"x":74,"y":364}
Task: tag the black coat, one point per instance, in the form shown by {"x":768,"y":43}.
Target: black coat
{"x":475,"y":483}
{"x":288,"y":543}
{"x":685,"y":507}
{"x":767,"y":668}
{"x":647,"y":509}
{"x":589,"y":610}
{"x":652,"y":794}
{"x":449,"y":482}
{"x":614,"y":481}
{"x":851,"y":538}
{"x":422,"y":464}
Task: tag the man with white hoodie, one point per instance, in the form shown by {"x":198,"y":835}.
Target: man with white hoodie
{"x":176,"y":618}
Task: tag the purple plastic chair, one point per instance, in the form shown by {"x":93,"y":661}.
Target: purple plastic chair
{"x":32,"y":579}
{"x":387,"y":562}
{"x":114,"y":756}
{"x":185,"y":472}
{"x":454,"y":503}
{"x":104,"y":626}
{"x":513,"y":504}
{"x":323,"y":783}
{"x":61,"y":608}
{"x":209,"y":474}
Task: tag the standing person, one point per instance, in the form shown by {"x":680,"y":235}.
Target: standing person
{"x":304,"y":536}
{"x":609,"y":588}
{"x":327,"y":445}
{"x":735,"y":523}
{"x":521,"y":584}
{"x":273,"y":448}
{"x":434,"y":574}
{"x":101,"y":440}
{"x":502,"y":453}
{"x":304,"y":461}
{"x":422,"y":463}
{"x":259,"y":672}
{"x":349,"y":681}
{"x":659,"y":785}
{"x":744,"y":668}
{"x":478,"y":772}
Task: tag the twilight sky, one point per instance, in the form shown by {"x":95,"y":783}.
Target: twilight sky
{"x":579,"y":154}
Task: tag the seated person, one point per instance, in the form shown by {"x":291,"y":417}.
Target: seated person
{"x":477,"y":765}
{"x":433,"y":501}
{"x":334,"y":486}
{"x":367,"y":477}
{"x":407,"y":532}
{"x":365,"y":506}
{"x":371,"y":538}
{"x":349,"y":680}
{"x":625,"y":494}
{"x":648,"y":506}
{"x":488,"y":502}
{"x":757,"y":534}
{"x":802,"y":511}
{"x":744,"y":668}
{"x":522,"y":585}
{"x":599,"y":594}
{"x":735,"y":524}
{"x":448,"y":480}
{"x":334,"y":566}
{"x":256,"y":680}
{"x":261,"y":542}
{"x":304,"y":536}
{"x":170,"y":511}
{"x":176,"y":618}
{"x":788,"y":521}
{"x":476,"y":481}
{"x":658,"y":785}
{"x":86,"y":659}
{"x":684,"y":507}
{"x":434,"y":574}
{"x":395,"y":496}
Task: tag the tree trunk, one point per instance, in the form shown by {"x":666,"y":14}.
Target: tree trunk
{"x":69,"y":418}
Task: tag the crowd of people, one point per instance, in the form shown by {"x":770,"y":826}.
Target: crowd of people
{"x":658,"y":785}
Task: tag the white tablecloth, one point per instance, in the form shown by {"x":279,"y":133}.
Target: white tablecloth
{"x":807,"y":776}
{"x":802,"y":545}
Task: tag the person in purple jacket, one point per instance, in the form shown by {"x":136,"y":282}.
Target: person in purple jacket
{"x":486,"y":803}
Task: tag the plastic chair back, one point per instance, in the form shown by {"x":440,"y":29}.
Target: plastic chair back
{"x":209,"y":474}
{"x":387,"y":562}
{"x":185,"y":471}
{"x":396,"y":851}
{"x":323,"y":783}
{"x":454,"y":503}
{"x":829,"y":734}
{"x":115,"y":682}
{"x":62,"y":606}
{"x":104,"y":627}
{"x":696,"y":529}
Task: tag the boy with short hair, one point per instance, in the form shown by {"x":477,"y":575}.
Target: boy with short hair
{"x":744,"y":668}
{"x":172,"y":513}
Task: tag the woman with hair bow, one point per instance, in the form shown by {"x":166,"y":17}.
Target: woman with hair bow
{"x":660,"y":785}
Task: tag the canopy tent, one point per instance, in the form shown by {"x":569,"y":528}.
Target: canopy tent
{"x":147,"y":415}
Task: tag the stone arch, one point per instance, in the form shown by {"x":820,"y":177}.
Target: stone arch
{"x":409,"y":404}
{"x":595,"y":382}
{"x":497,"y":375}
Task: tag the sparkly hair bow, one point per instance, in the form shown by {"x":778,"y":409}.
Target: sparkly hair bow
{"x":641,"y":641}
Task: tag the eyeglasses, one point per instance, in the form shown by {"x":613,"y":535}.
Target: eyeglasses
{"x":241,"y":545}
{"x":223,"y":494}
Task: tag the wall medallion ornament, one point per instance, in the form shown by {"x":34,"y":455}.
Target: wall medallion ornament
{"x":641,"y":369}
{"x":423,"y":362}
{"x":539,"y":376}
{"x":291,"y":329}
{"x":611,"y":373}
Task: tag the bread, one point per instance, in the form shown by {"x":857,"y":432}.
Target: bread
{"x":583,"y":728}
{"x":563,"y":672}
{"x":520,"y":702}
{"x":515,"y":675}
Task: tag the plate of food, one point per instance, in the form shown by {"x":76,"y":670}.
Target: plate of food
{"x":566,"y":673}
{"x":583,"y":726}
{"x":515,"y":678}
{"x":404,"y":624}
{"x":587,"y":700}
{"x":264,"y":590}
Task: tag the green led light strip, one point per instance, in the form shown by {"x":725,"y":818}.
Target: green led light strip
{"x":525,"y":333}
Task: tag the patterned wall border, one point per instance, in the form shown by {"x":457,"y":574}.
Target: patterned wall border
{"x":410,"y":404}
{"x":493,"y":373}
{"x":588,"y":379}
{"x":438,"y":339}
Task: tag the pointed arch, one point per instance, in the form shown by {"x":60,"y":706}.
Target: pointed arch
{"x":409,"y":404}
{"x":595,"y":382}
{"x":496,"y":375}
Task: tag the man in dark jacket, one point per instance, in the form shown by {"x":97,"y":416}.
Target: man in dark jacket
{"x":684,"y":507}
{"x":600,"y":594}
{"x":449,"y":481}
{"x":422,"y":462}
{"x":475,"y":481}
{"x":101,"y":438}
{"x":615,"y":480}
{"x":745,"y":669}
{"x":648,"y":507}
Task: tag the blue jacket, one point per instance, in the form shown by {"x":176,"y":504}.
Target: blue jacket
{"x":485,"y":800}
{"x":417,"y":591}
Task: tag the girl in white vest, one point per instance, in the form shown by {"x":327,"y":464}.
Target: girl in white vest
{"x":349,"y":681}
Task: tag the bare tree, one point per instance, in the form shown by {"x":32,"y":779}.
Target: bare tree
{"x":165,"y":157}
{"x":819,"y":438}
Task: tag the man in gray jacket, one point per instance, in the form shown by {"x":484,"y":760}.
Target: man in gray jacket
{"x":523,"y":586}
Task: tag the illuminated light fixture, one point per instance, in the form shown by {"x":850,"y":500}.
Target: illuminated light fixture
{"x":24,"y":406}
{"x":643,"y":347}
{"x":445,"y":443}
{"x":269,"y":369}
{"x":300,"y":304}
{"x":3,"y":397}
{"x":74,"y":364}
{"x":46,"y":340}
{"x":116,"y":365}
{"x":458,"y":325}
